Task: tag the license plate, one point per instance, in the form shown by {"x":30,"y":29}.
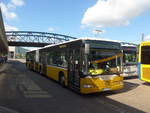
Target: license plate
{"x":106,"y":89}
{"x":106,"y":83}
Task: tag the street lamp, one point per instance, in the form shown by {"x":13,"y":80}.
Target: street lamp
{"x":142,"y":37}
{"x":97,"y":32}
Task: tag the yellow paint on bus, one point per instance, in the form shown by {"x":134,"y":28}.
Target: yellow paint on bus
{"x":144,"y":69}
{"x":53,"y":72}
{"x":90,"y":85}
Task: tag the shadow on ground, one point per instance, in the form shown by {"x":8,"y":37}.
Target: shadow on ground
{"x":130,"y":77}
{"x":62,"y":99}
{"x":146,"y":83}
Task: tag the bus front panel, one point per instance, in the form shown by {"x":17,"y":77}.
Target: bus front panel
{"x":99,"y":84}
{"x":103,"y":69}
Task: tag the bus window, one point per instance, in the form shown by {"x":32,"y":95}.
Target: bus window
{"x":49,"y":59}
{"x":106,"y":67}
{"x":129,"y":57}
{"x":56,"y":58}
{"x":43,"y":58}
{"x":63,"y":59}
{"x":145,"y":56}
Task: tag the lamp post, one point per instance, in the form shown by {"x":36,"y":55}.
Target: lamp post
{"x":142,"y":37}
{"x":97,"y":32}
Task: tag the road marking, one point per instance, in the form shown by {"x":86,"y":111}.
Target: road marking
{"x":3,"y":67}
{"x":37,"y":96}
{"x":6,"y":110}
{"x":31,"y":90}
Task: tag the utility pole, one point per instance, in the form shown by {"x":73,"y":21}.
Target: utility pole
{"x":142,"y":37}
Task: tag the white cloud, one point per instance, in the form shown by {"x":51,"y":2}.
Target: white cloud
{"x":18,"y":2}
{"x":8,"y":9}
{"x":147,"y":38}
{"x":10,"y":28}
{"x":109,"y":13}
{"x":6,"y":12}
{"x":11,"y":6}
{"x":50,"y":29}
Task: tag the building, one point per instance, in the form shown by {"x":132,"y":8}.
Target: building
{"x":12,"y":52}
{"x":3,"y":39}
{"x":17,"y":52}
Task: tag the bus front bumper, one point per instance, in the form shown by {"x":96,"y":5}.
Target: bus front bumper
{"x":93,"y":85}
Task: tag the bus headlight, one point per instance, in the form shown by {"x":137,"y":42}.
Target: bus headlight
{"x":121,"y":83}
{"x":87,"y":86}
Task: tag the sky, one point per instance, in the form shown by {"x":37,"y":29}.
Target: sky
{"x":123,"y":20}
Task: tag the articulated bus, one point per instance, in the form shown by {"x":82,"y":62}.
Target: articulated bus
{"x":84,"y":65}
{"x":129,"y":59}
{"x":144,"y":61}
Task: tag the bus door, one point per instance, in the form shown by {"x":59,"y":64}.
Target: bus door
{"x":73,"y":68}
{"x":44,"y":63}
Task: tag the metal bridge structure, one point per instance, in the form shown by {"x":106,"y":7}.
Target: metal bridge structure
{"x":34,"y":39}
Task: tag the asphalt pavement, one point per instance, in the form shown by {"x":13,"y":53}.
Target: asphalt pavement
{"x":25,"y":91}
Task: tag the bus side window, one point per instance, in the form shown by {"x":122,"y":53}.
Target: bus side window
{"x":55,"y":59}
{"x":63,"y":60}
{"x":49,"y":58}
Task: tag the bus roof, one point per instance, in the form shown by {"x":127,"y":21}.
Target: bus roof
{"x":33,"y":50}
{"x":82,"y":38}
{"x":125,"y":44}
{"x":145,"y":43}
{"x":98,"y":38}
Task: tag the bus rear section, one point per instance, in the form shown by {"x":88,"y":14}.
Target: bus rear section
{"x":144,"y":61}
{"x":129,"y":59}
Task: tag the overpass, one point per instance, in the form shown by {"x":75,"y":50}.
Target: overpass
{"x":34,"y":39}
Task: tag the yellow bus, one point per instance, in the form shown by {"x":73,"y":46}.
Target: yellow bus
{"x":84,"y":65}
{"x":144,"y":61}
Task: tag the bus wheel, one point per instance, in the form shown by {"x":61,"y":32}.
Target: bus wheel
{"x":62,"y":79}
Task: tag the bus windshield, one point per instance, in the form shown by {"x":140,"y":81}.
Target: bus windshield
{"x":103,"y":62}
{"x":130,"y":57}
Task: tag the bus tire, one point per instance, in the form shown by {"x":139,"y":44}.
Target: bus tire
{"x":62,"y":79}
